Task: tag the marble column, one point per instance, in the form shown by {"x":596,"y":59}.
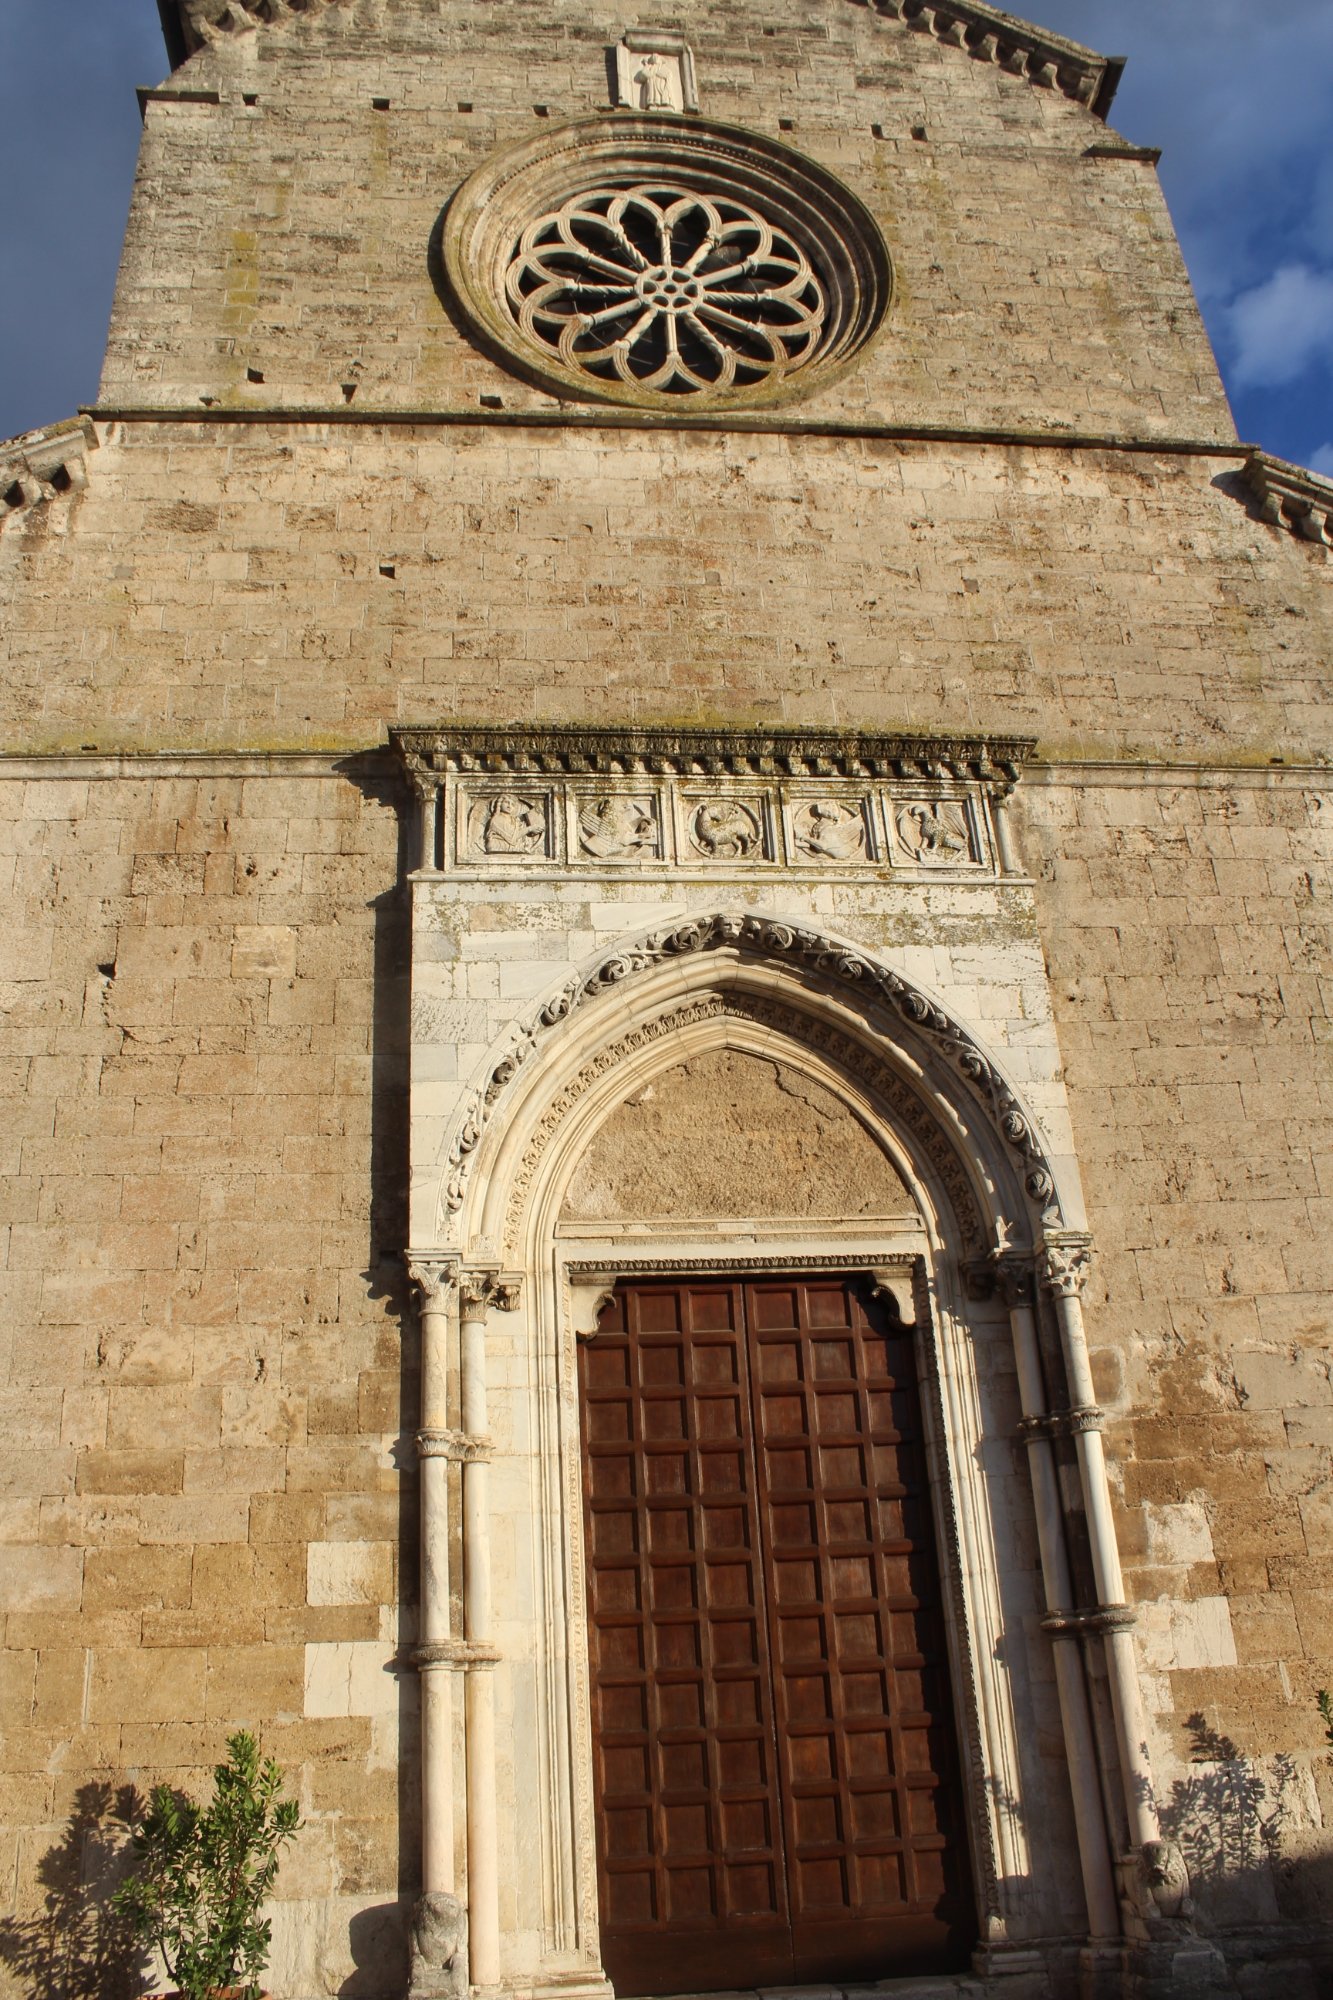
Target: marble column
{"x":1064,"y":1272}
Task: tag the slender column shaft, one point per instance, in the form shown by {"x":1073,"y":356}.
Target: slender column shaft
{"x":437,"y":1754}
{"x":437,"y":1778}
{"x":1071,"y":1687}
{"x":483,"y":1888}
{"x":429,"y":798}
{"x":1004,"y":835}
{"x":1122,"y":1670}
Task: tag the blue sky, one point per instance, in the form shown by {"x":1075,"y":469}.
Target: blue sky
{"x":1238,"y":93}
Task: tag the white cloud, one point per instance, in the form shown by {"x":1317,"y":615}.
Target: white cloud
{"x":1322,"y":460}
{"x":1282,"y":327}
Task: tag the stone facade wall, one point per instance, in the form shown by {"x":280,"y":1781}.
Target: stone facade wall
{"x":203,"y":1515}
{"x":217,"y":588}
{"x":209,"y":1369}
{"x":1186,"y":927}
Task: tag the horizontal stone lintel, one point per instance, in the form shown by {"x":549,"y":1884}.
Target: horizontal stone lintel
{"x":430,"y":753}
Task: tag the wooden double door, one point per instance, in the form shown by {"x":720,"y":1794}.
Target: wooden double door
{"x":775,"y":1769}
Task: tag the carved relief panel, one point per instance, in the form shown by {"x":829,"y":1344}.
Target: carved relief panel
{"x":675,"y":804}
{"x":654,"y":71}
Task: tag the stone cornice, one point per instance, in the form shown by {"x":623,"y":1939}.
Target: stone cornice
{"x":1290,"y":497}
{"x":989,"y":35}
{"x":42,"y":464}
{"x":430,"y":752}
{"x":985,"y":33}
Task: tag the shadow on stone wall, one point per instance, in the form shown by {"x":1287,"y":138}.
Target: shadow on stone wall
{"x":79,"y":1947}
{"x":1251,"y":1836}
{"x":378,"y":1941}
{"x":377,"y":1935}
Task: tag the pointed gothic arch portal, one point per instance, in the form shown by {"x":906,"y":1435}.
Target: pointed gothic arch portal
{"x":745,"y":1119}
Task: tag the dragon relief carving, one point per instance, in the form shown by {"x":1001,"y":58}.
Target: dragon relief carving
{"x":841,"y":965}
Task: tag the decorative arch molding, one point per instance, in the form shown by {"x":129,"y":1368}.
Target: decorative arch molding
{"x":811,"y":959}
{"x":743,"y":1001}
{"x":769,"y":1016}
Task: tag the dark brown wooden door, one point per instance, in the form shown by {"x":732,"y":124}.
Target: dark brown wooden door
{"x":775,"y":1768}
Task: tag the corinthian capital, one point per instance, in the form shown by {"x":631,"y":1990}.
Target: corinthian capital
{"x":479,"y":1291}
{"x":1064,"y":1265}
{"x":433,"y":1276}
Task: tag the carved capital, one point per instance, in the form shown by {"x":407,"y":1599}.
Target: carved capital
{"x":1014,"y":1281}
{"x":480,"y":1291}
{"x":460,"y":1446}
{"x":1065,"y":1264}
{"x":433,"y":1276}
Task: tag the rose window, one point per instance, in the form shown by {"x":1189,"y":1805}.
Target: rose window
{"x":660,"y":261}
{"x":664,"y":289}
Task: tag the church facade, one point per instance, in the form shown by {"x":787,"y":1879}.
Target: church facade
{"x":668,"y":1130}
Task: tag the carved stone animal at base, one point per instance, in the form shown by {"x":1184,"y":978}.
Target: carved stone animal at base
{"x":438,"y":1949}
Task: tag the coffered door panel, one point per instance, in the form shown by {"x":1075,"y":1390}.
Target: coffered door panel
{"x":773,"y":1756}
{"x":692,"y":1885}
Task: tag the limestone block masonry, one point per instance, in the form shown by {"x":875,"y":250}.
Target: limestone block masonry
{"x":659,"y":665}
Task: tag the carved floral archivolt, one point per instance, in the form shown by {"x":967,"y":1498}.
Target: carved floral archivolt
{"x":875,"y":989}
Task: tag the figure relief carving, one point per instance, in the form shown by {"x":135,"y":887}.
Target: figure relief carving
{"x":655,"y":81}
{"x":725,"y":830}
{"x":829,"y":830}
{"x":935,"y":834}
{"x":617,"y":829}
{"x":509,"y":823}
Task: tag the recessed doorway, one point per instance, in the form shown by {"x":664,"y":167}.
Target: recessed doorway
{"x":775,"y":1768}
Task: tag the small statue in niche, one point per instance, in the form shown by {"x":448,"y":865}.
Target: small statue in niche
{"x":439,"y":1969}
{"x":654,"y":81}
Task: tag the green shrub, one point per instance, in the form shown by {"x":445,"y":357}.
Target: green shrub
{"x":204,"y":1873}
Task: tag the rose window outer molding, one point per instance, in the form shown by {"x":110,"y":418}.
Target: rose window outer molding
{"x":668,"y":267}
